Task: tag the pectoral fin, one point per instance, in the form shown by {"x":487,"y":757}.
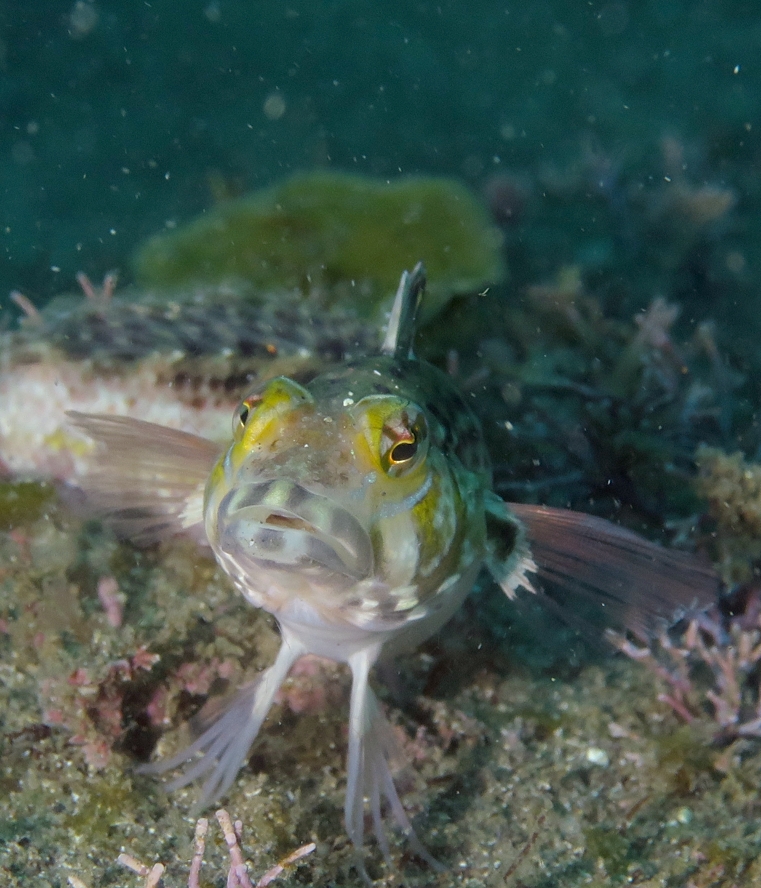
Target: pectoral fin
{"x":147,"y":481}
{"x":508,"y":555}
{"x":631,"y":581}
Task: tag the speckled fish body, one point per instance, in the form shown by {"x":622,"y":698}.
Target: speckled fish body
{"x":358,"y":510}
{"x":353,"y":509}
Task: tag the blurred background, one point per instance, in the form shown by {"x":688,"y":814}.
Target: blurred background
{"x":618,"y":137}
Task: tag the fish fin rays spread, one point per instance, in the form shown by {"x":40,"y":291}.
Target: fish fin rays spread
{"x":224,"y":746}
{"x":147,"y":481}
{"x":598,"y":570}
{"x":221,"y":751}
{"x":508,"y":555}
{"x":368,"y":773}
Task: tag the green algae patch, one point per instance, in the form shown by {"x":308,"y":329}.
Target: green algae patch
{"x":609,"y":846}
{"x":342,"y":234}
{"x":100,"y":806}
{"x":686,"y":760}
{"x":13,"y":829}
{"x":732,"y":486}
{"x":22,"y":502}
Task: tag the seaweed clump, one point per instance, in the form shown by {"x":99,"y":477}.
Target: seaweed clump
{"x":711,"y":663}
{"x":732,"y":486}
{"x":711,"y":666}
{"x":589,"y":410}
{"x":346,"y":234}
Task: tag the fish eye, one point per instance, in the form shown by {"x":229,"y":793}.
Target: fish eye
{"x":268,"y":403}
{"x":404,"y":441}
{"x":244,"y":411}
{"x":395,"y":431}
{"x":403,"y":451}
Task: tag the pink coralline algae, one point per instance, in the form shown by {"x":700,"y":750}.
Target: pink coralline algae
{"x":711,"y":667}
{"x":237,"y":874}
{"x":92,"y":709}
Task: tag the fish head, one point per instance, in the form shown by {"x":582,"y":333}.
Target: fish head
{"x":341,"y":495}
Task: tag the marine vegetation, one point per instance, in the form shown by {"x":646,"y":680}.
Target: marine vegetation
{"x":237,"y":874}
{"x":732,"y":486}
{"x":358,"y":510}
{"x":341,"y":233}
{"x":711,"y":665}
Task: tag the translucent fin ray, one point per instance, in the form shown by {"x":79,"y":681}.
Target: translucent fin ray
{"x":633,"y":582}
{"x":368,"y":773}
{"x":147,"y":481}
{"x":225,"y":745}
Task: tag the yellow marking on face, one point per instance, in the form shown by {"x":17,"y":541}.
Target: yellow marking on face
{"x":216,"y":479}
{"x":437,"y":516}
{"x":260,"y":417}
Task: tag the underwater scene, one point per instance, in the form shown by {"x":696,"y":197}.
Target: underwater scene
{"x":380,"y":443}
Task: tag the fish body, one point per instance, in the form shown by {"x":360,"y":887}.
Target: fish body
{"x":352,"y":503}
{"x":358,"y":510}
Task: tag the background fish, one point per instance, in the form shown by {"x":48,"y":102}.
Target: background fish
{"x":358,"y":510}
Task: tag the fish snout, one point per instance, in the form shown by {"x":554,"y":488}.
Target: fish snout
{"x":282,"y":524}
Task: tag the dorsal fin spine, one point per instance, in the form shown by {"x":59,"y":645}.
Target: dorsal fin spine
{"x":400,"y":333}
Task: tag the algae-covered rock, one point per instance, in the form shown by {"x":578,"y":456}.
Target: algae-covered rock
{"x":340,"y":233}
{"x":732,"y":486}
{"x":22,"y":502}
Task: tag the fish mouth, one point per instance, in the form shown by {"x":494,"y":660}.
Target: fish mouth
{"x":281,"y":524}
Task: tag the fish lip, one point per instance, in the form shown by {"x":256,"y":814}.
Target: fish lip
{"x":284,"y":525}
{"x":284,"y":520}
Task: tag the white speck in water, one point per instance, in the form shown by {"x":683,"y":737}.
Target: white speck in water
{"x":274,"y":106}
{"x":82,"y":19}
{"x":213,"y":12}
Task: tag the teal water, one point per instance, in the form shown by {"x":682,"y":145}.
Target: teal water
{"x":617,"y":145}
{"x":118,"y":118}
